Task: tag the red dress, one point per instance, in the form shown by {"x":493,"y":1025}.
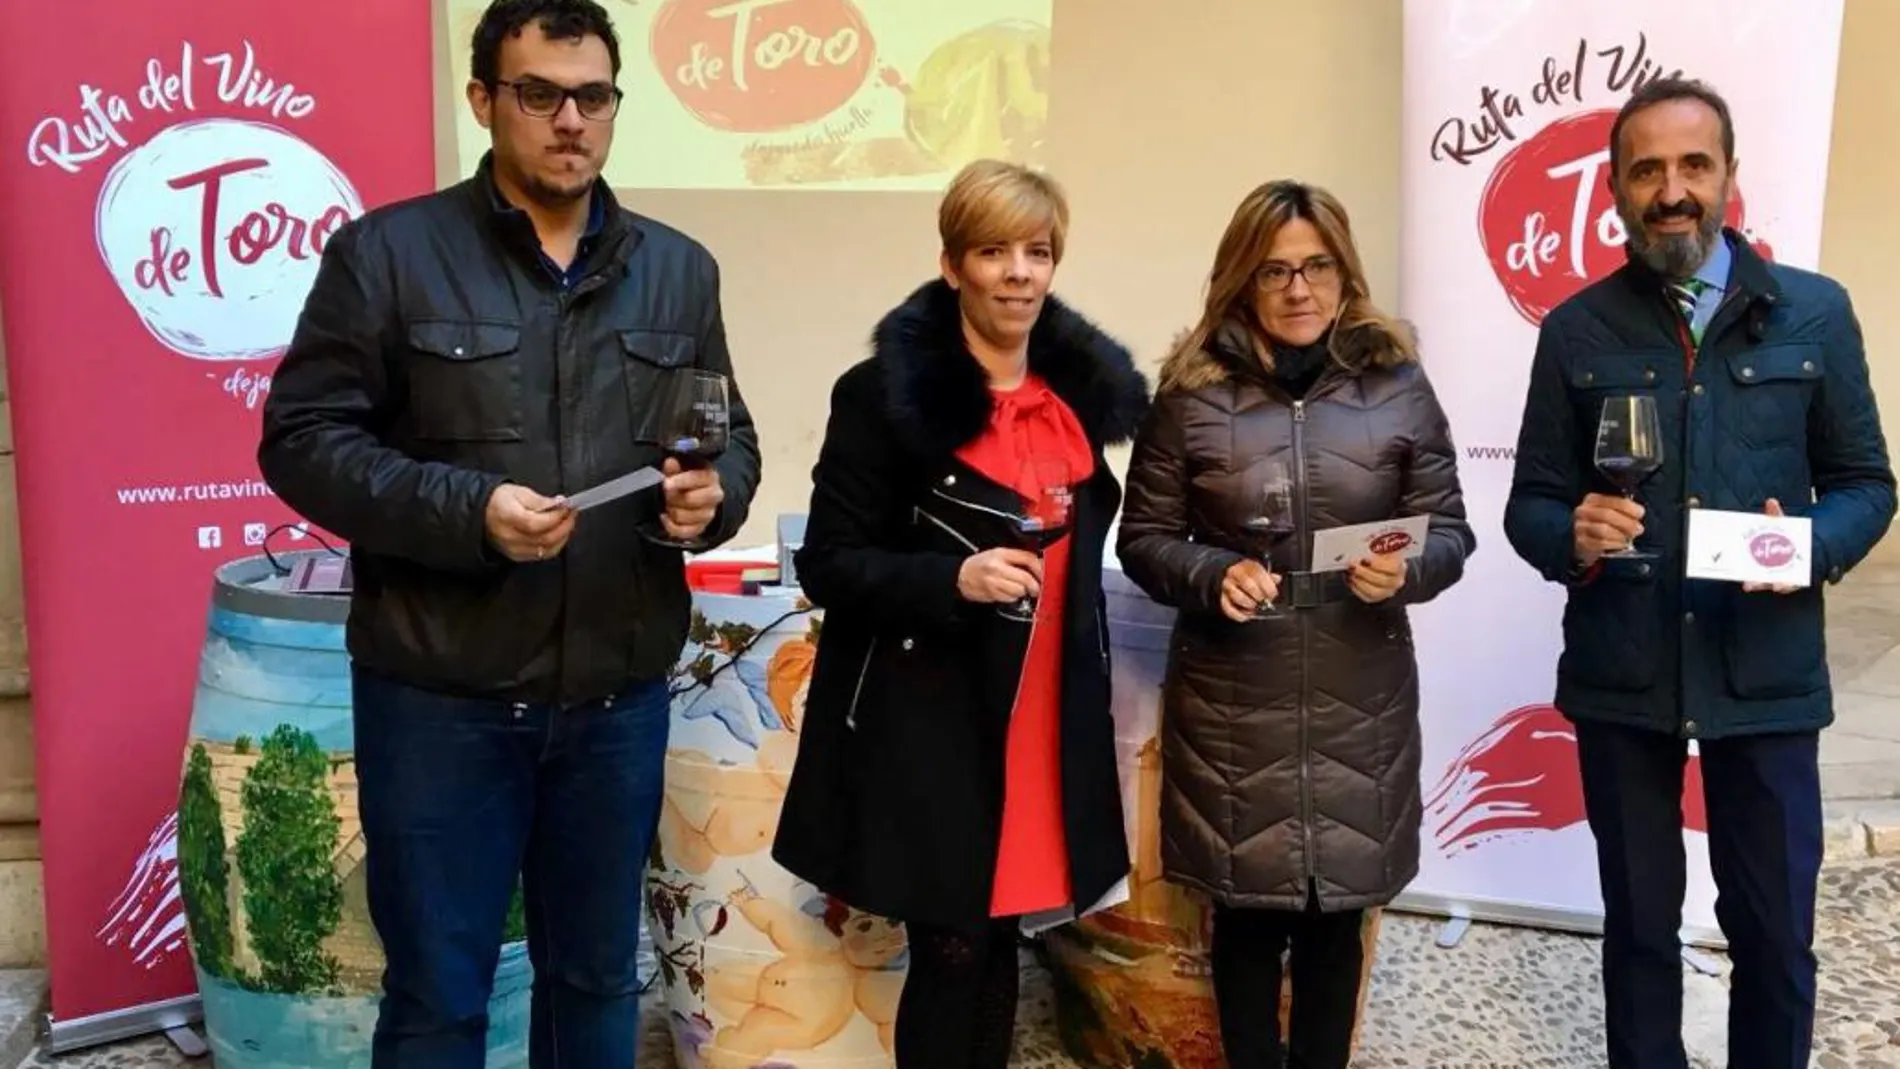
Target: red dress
{"x":1032,"y":860}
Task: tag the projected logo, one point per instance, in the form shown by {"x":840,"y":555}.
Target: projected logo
{"x":817,"y":94}
{"x":756,"y":66}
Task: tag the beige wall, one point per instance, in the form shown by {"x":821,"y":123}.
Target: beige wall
{"x":1160,"y":126}
{"x":1860,"y":235}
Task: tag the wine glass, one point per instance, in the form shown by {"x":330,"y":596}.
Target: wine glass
{"x":1268,"y":498}
{"x":697,"y":419}
{"x":694,"y":426}
{"x":1629,"y":450}
{"x":1047,"y":515}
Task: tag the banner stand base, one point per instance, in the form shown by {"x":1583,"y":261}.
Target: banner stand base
{"x":1499,"y":911}
{"x":188,"y":1042}
{"x":1454,"y":930}
{"x":172,"y":1015}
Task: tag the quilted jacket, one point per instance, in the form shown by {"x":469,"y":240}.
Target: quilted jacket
{"x":1290,"y":746}
{"x":1775,"y":402}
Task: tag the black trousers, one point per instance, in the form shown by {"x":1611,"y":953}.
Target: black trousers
{"x":1763,"y":798}
{"x":1326,"y":958}
{"x":958,"y":1009}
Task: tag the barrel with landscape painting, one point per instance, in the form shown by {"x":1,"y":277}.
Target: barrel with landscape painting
{"x":270,"y":847}
{"x":1132,"y":984}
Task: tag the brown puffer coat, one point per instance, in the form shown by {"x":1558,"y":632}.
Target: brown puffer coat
{"x":1290,"y":746}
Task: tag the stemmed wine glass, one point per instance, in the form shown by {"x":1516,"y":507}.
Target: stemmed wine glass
{"x":1047,"y":514}
{"x":694,"y":424}
{"x":1269,"y":501}
{"x":1629,"y":450}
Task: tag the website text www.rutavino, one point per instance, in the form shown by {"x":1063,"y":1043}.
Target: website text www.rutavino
{"x":181,"y":492}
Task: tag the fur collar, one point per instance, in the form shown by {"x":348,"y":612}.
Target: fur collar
{"x":1229,"y":353}
{"x":936,"y":393}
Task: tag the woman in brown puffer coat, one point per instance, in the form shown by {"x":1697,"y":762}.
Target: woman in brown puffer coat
{"x":1290,"y":734}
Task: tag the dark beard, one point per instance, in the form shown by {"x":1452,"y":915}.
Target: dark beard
{"x":552,"y":196}
{"x":1672,"y":255}
{"x":542,"y":192}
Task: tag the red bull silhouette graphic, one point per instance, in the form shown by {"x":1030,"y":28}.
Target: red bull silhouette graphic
{"x":1521,"y":777}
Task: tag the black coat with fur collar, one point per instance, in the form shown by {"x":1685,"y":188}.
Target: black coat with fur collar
{"x":895,"y":803}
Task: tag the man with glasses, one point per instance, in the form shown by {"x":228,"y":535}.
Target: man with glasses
{"x":466,"y":359}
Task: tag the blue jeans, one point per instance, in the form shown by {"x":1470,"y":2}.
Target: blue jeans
{"x":460,"y":799}
{"x":1763,"y":797}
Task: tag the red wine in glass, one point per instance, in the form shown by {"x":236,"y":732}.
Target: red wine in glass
{"x":694,"y":428}
{"x":697,"y":419}
{"x":1629,"y":450}
{"x":1269,"y":503}
{"x":1047,"y":515}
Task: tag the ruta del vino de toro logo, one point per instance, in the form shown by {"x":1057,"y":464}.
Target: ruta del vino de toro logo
{"x":1547,"y":220}
{"x":760,"y":66}
{"x":212,"y":212}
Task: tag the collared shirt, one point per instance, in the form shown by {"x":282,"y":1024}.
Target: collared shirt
{"x":596,"y":219}
{"x":1713,"y":275}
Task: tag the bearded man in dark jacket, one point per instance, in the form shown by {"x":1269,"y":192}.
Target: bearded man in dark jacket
{"x":1763,"y":401}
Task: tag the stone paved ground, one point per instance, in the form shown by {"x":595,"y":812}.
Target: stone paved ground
{"x":1503,"y":999}
{"x":1860,"y":753}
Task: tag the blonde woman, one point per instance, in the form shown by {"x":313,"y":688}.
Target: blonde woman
{"x":957,"y":767}
{"x":1290,"y":746}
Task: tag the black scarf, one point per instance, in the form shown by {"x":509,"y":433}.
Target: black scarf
{"x":1297,"y":367}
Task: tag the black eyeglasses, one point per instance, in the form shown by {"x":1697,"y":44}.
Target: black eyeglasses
{"x":597,"y":101}
{"x":1318,"y":271}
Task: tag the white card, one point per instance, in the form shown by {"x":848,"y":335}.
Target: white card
{"x":1749,"y":547}
{"x":617,"y":487}
{"x":1336,"y":548}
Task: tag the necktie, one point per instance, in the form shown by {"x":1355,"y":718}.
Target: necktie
{"x":1684,"y":293}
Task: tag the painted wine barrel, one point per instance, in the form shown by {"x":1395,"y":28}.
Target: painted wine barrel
{"x":760,"y":970}
{"x":1132,"y":984}
{"x":270,"y":847}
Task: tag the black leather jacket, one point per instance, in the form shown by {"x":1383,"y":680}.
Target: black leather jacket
{"x":438,"y":356}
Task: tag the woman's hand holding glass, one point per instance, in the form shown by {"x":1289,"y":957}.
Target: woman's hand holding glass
{"x":1246,"y":587}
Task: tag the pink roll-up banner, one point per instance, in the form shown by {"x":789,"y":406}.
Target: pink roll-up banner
{"x":1506,"y":212}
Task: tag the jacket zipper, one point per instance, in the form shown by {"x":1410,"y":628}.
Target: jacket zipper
{"x":851,"y":713}
{"x":949,"y":530}
{"x":1034,"y":618}
{"x":1101,"y":635}
{"x":1010,"y":516}
{"x":1311,"y":867}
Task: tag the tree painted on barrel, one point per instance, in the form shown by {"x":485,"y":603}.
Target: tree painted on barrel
{"x":515,"y":927}
{"x":205,"y":874}
{"x":285,"y":855}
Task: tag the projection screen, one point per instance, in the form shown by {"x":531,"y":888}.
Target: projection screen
{"x":858,"y":95}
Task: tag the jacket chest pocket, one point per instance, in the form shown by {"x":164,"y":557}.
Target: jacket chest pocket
{"x":1596,"y":378}
{"x":1772,"y":387}
{"x":656,"y":367}
{"x":465,"y":381}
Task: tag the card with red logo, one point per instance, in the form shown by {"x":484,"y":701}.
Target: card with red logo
{"x":1336,"y":548}
{"x":1749,"y":547}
